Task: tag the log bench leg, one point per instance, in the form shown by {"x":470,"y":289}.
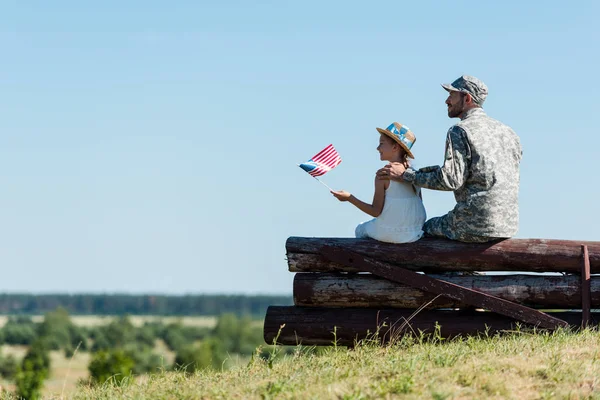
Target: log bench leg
{"x":586,"y":294}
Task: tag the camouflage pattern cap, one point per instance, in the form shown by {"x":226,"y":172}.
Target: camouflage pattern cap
{"x":469,"y":84}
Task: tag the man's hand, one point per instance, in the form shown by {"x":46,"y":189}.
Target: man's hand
{"x":341,"y":195}
{"x":393,"y":171}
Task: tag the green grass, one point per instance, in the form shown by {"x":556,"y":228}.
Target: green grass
{"x":520,"y":365}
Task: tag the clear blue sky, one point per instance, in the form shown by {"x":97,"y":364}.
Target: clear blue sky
{"x":151,"y":146}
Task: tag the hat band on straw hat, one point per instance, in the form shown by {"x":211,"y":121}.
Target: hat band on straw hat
{"x":401,"y":134}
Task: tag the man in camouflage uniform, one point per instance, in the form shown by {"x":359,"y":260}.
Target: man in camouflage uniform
{"x":481,"y":166}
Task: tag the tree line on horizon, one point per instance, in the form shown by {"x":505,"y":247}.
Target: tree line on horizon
{"x":132,"y":304}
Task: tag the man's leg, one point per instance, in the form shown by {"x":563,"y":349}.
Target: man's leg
{"x":439,"y":227}
{"x":435,"y":227}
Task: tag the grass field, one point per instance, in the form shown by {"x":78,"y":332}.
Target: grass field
{"x":560,"y":365}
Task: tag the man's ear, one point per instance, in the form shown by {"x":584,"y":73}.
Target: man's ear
{"x":468,"y":99}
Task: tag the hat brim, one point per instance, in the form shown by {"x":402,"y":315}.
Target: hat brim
{"x":395,"y":139}
{"x":450,"y":88}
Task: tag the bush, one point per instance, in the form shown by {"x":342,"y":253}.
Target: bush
{"x":177,"y":336}
{"x":79,"y":337}
{"x":145,"y":336}
{"x":121,"y":339}
{"x":19,"y":330}
{"x":174,"y":337}
{"x":145,"y":361}
{"x":116,"y":334}
{"x":34,"y":369}
{"x":250,"y":337}
{"x":239,"y":335}
{"x":8,"y":366}
{"x":209,"y":353}
{"x":55,"y":328}
{"x":112,"y":364}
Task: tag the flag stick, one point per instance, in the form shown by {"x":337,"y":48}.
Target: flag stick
{"x":320,"y":181}
{"x":323,"y":183}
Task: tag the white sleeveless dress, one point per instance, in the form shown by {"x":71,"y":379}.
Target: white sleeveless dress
{"x":402,"y":218}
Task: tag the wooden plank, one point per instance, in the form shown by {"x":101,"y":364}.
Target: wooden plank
{"x":446,"y":289}
{"x":316,"y":326}
{"x":367,"y":290}
{"x":439,"y":255}
{"x":586,"y":297}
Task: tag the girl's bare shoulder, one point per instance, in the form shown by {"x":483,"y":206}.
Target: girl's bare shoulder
{"x":382,"y":183}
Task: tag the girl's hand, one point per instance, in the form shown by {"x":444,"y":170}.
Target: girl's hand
{"x":341,"y":195}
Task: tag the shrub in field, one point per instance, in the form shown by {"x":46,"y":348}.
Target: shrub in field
{"x":135,"y":344}
{"x":8,"y":366}
{"x":174,"y":337}
{"x":34,"y":369}
{"x":145,"y":360}
{"x":79,"y":337}
{"x":250,"y":337}
{"x":145,"y":336}
{"x":100,"y":342}
{"x":210,"y":353}
{"x":61,"y":333}
{"x":239,"y":335}
{"x":111,"y":364}
{"x":154,"y":328}
{"x":177,"y":335}
{"x":227,"y":330}
{"x":55,"y":328}
{"x":19,"y":330}
{"x":116,"y":334}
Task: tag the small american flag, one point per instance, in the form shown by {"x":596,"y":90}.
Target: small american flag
{"x":324,"y":161}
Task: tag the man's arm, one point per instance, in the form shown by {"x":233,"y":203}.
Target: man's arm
{"x":453,"y":174}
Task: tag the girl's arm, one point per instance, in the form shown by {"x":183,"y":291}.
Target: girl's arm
{"x":374,"y":209}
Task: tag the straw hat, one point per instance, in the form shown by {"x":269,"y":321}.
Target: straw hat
{"x":402,"y":135}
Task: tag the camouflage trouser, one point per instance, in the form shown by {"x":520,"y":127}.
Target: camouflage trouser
{"x":439,"y":227}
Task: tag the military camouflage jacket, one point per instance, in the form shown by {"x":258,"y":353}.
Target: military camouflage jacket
{"x":482,"y":168}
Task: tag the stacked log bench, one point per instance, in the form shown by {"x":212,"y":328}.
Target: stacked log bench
{"x":351,"y":289}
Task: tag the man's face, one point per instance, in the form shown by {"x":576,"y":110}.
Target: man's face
{"x":456,"y":104}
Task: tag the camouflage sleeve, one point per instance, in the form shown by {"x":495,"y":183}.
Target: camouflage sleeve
{"x":453,"y":174}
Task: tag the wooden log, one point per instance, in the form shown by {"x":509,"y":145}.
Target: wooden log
{"x":291,"y":325}
{"x":367,"y":290}
{"x":443,"y":288}
{"x":439,"y":255}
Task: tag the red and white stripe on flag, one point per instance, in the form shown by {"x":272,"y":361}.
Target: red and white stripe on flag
{"x":326,"y":160}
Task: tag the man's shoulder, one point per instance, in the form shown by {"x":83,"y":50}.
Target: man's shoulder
{"x":457,"y":130}
{"x":480,"y":120}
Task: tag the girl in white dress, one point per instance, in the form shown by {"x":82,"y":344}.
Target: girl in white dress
{"x":397,"y":206}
